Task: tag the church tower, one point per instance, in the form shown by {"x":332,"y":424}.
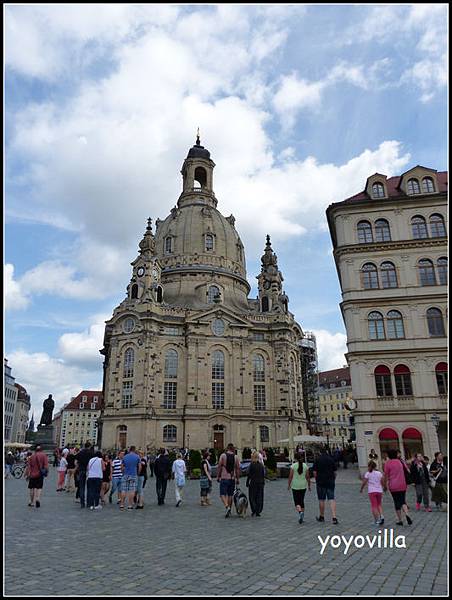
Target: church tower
{"x":190,"y":359}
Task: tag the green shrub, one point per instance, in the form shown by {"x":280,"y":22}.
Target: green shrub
{"x":271,"y":473}
{"x":195,"y":473}
{"x":194,"y":461}
{"x":172,"y":457}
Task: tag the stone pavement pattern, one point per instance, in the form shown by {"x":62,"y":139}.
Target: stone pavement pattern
{"x":193,"y":550}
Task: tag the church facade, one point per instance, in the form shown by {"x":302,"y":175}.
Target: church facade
{"x":189,"y":359}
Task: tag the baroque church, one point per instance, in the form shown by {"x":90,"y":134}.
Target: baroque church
{"x":189,"y":359}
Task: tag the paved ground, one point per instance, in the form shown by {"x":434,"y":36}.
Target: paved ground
{"x":61,"y":550}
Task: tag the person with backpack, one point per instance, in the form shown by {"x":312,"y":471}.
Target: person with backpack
{"x":162,"y":470}
{"x":179,"y":469}
{"x":37,"y":469}
{"x":396,"y":474}
{"x":228,"y":475}
{"x":299,"y":481}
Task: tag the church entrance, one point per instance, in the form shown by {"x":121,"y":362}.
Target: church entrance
{"x":218,"y":437}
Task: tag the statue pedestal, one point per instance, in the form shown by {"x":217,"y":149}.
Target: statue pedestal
{"x":44,"y":437}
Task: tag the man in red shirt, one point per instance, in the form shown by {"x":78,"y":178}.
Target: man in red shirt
{"x":37,"y":468}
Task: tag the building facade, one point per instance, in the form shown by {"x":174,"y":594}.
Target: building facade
{"x":190,"y":360}
{"x":9,"y":404}
{"x":335,"y":396}
{"x":79,"y":419}
{"x":390,"y":248}
{"x":309,"y":379}
{"x":23,"y":405}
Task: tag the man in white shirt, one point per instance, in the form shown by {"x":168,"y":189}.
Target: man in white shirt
{"x":179,"y":469}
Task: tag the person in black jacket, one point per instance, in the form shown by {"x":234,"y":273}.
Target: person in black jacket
{"x":162,"y":470}
{"x":421,"y":478}
{"x":82,"y":459}
{"x":255,"y":482}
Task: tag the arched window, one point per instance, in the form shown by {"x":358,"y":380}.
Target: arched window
{"x":426,"y":272}
{"x":365,"y":232}
{"x":213,"y":294}
{"x":413,"y":186}
{"x":121,"y":433}
{"x":264,"y":433}
{"x":441,"y":377}
{"x":383,"y":383}
{"x":382,"y":231}
{"x":218,"y":380}
{"x":412,"y":442}
{"x":419,"y":228}
{"x":200,"y":178}
{"x":402,"y":377}
{"x":369,"y":276}
{"x":265,"y":304}
{"x":259,"y":377}
{"x":395,"y":327}
{"x":435,"y":322}
{"x":208,"y":242}
{"x":159,"y":294}
{"x":442,"y":270}
{"x":258,"y":368}
{"x":427,"y":185}
{"x":168,"y":245}
{"x":129,"y":359}
{"x":378,"y":190}
{"x":134,"y":292}
{"x":437,"y":226}
{"x":376,"y":326}
{"x":389,"y":440}
{"x":170,"y":433}
{"x":388,"y":275}
{"x":171,"y":364}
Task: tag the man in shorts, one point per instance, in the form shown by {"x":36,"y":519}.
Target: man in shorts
{"x":325,"y":478}
{"x":37,"y":466}
{"x":131,"y":462}
{"x":228,"y":475}
{"x":116,"y":476}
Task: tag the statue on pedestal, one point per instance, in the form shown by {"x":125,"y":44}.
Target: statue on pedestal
{"x":48,"y":406}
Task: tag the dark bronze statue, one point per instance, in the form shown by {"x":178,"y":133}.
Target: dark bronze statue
{"x":48,"y":406}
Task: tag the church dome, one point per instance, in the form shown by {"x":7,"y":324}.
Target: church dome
{"x":198,"y":151}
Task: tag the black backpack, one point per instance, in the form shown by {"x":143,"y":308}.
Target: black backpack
{"x":230,"y":463}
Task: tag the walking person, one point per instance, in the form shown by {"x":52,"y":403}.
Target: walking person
{"x":325,"y":478}
{"x":142,"y":478}
{"x":255,"y":482}
{"x":178,"y":470}
{"x":37,"y":469}
{"x":438,"y":474}
{"x":374,"y":481}
{"x":130,"y":462}
{"x":151,"y":461}
{"x":9,"y":463}
{"x":421,"y":479}
{"x":299,"y":481}
{"x":162,"y":469}
{"x":395,"y":472}
{"x":228,"y":475}
{"x":70,"y":472}
{"x":82,"y":459}
{"x":116,"y":477}
{"x":106,"y":477}
{"x":205,"y":480}
{"x":95,"y":472}
{"x":61,"y":471}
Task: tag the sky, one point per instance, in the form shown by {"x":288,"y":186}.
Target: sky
{"x":298,"y":105}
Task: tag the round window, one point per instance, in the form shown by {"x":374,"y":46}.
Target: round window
{"x":218,"y":327}
{"x":128,"y":325}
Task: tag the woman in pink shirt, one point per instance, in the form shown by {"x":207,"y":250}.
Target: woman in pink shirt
{"x":395,"y":480}
{"x":373,"y":479}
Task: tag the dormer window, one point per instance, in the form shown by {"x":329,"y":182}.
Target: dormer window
{"x":208,"y":242}
{"x":168,"y":245}
{"x":413,"y":186}
{"x":378,"y":190}
{"x":427,"y":185}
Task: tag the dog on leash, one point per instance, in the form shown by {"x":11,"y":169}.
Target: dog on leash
{"x":240,"y":502}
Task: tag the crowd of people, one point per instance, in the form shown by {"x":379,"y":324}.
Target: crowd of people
{"x":97,"y":478}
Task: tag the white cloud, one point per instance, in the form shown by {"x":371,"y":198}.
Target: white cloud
{"x":15,"y":298}
{"x":331,"y":348}
{"x":42,"y":375}
{"x":82,"y":349}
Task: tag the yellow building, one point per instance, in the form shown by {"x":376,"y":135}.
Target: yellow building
{"x":79,"y":419}
{"x":335,"y":395}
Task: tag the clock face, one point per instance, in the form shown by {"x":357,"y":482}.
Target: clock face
{"x":140,"y":271}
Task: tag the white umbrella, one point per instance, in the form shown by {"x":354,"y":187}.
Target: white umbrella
{"x":306,"y":439}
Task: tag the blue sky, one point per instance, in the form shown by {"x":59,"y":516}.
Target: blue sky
{"x":297,"y":104}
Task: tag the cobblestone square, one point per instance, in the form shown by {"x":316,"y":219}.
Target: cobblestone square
{"x":60,"y":549}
